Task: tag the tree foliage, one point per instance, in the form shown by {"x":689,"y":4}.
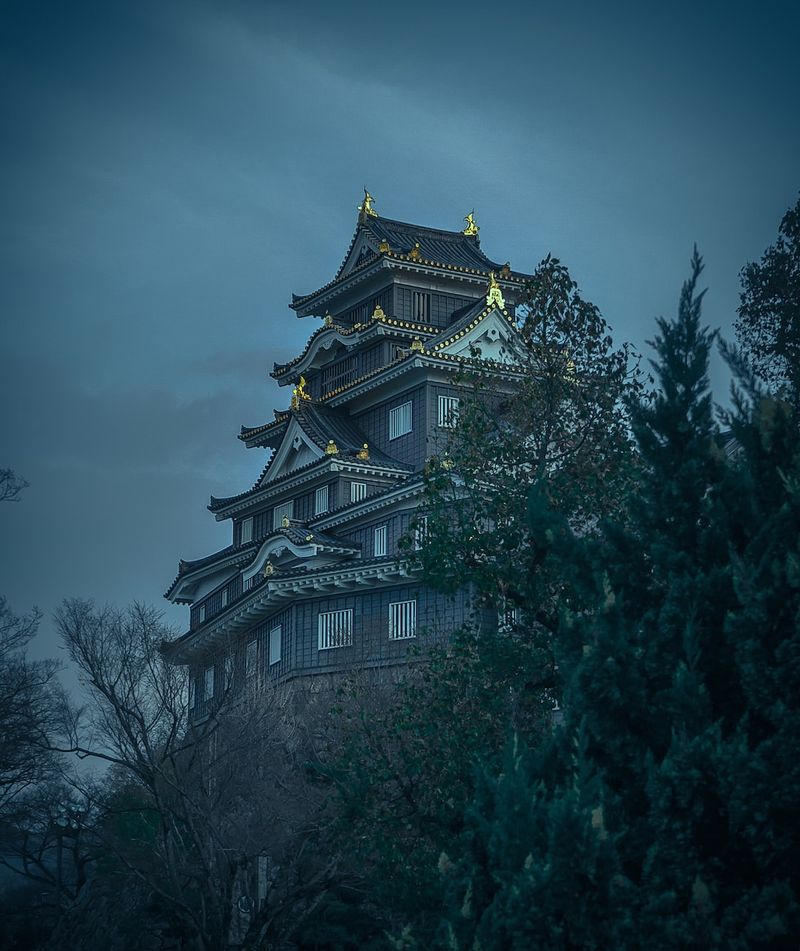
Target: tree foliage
{"x":768,"y":326}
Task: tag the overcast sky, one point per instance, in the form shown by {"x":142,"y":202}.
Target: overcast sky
{"x":172,"y":171}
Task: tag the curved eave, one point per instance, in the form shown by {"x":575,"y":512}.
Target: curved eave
{"x":325,"y":337}
{"x":311,"y":304}
{"x":191,"y":572}
{"x":268,"y":597}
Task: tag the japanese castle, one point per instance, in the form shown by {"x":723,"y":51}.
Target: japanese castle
{"x":313,"y":582}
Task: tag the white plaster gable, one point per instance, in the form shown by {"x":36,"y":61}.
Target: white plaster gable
{"x":277,"y":549}
{"x":296,"y":450}
{"x":492,"y":335}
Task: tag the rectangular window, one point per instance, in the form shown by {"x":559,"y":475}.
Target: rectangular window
{"x":379,"y":541}
{"x":284,"y":510}
{"x":192,"y":691}
{"x":448,"y":411}
{"x":224,"y":603}
{"x":402,"y":620}
{"x":335,"y":629}
{"x":251,"y":660}
{"x":358,"y":491}
{"x":228,"y":671}
{"x":201,"y":613}
{"x":420,"y":531}
{"x":419,"y":306}
{"x":208,"y":683}
{"x":275,"y":637}
{"x":400,"y":420}
{"x":321,"y":500}
{"x":246,"y":530}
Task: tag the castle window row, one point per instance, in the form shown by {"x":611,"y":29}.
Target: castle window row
{"x":335,"y":628}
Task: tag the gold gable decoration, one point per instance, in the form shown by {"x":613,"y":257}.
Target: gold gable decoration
{"x":363,"y":452}
{"x":415,"y":253}
{"x":417,"y":344}
{"x":472,"y":228}
{"x":495,"y":295}
{"x":331,"y":449}
{"x":269,"y":569}
{"x":365,"y":209}
{"x":285,"y":521}
{"x":378,"y":313}
{"x":383,"y":247}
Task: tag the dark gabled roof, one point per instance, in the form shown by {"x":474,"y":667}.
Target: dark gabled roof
{"x":445,"y":247}
{"x":452,"y":250}
{"x":186,"y":567}
{"x":320,"y":423}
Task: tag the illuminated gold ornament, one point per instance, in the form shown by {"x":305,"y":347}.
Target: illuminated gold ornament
{"x":383,"y":247}
{"x":269,"y":569}
{"x":378,"y":313}
{"x":300,"y":393}
{"x":417,"y":344}
{"x":363,"y":452}
{"x":472,"y":228}
{"x":495,"y":295}
{"x":328,"y":320}
{"x":365,"y":208}
{"x":331,"y":449}
{"x":447,"y":463}
{"x":505,"y":270}
{"x":285,"y":521}
{"x":414,"y":253}
{"x":309,"y":538}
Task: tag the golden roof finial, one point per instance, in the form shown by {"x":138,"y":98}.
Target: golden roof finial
{"x":472,"y":228}
{"x":328,"y":320}
{"x":300,"y":393}
{"x":414,"y":253}
{"x":285,"y":521}
{"x":269,"y":569}
{"x":495,"y":295}
{"x":331,"y":449}
{"x":505,"y":270}
{"x":417,"y":344}
{"x":383,"y":247}
{"x":378,"y":313}
{"x":365,"y":209}
{"x":363,"y":452}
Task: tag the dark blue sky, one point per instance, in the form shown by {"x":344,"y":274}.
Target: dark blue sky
{"x":171,"y":172}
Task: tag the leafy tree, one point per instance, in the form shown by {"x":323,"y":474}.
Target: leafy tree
{"x":552,"y":420}
{"x":660,"y":810}
{"x":768,"y":326}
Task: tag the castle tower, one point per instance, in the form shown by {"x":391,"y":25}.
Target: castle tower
{"x":313,"y":582}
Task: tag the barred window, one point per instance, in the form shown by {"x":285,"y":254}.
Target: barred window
{"x":251,"y":659}
{"x":419,"y":306}
{"x":275,"y":637}
{"x":402,"y":620}
{"x":335,"y":629}
{"x":228,"y":671}
{"x":246,"y":530}
{"x":379,"y":541}
{"x":285,"y":510}
{"x":321,"y":500}
{"x":208,"y":683}
{"x":448,"y":411}
{"x":400,"y":420}
{"x":358,"y":491}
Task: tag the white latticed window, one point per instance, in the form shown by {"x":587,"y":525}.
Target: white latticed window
{"x":250,"y":659}
{"x":379,"y":541}
{"x":402,"y":620}
{"x":448,"y":411}
{"x":358,"y":491}
{"x":246,"y":530}
{"x":335,"y":629}
{"x":400,"y":420}
{"x":321,"y":500}
{"x":275,"y":645}
{"x":420,"y":531}
{"x":285,"y":510}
